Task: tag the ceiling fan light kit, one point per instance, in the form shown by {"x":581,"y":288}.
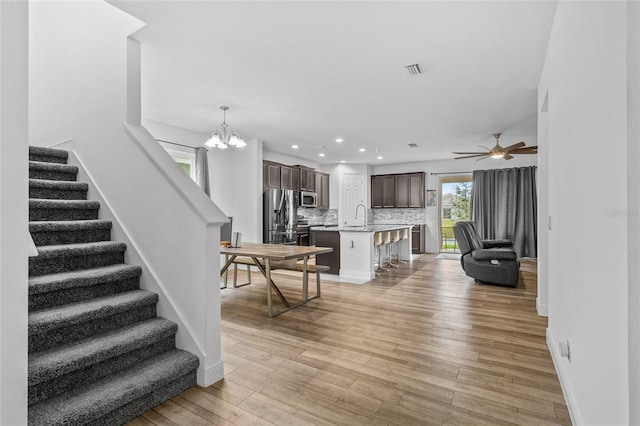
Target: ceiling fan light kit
{"x":498,"y":151}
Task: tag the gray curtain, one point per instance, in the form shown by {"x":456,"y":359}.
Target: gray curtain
{"x":504,"y":205}
{"x":202,"y":169}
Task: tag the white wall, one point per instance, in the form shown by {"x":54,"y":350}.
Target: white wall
{"x":585,"y":77}
{"x":78,"y":75}
{"x":633,"y":194}
{"x":289,"y":160}
{"x":13,"y":212}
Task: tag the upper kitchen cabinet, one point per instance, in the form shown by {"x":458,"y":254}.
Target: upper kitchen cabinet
{"x":383,"y":191}
{"x":402,"y":191}
{"x":322,"y":189}
{"x":290,"y":178}
{"x":416,"y":189}
{"x":307,"y":179}
{"x":271,"y":174}
{"x":397,"y":190}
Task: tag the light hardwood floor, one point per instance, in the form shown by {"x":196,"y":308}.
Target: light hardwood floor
{"x":421,"y":345}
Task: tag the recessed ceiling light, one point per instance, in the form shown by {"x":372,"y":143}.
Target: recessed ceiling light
{"x":321,"y":154}
{"x":339,"y":140}
{"x":379,"y":157}
{"x":342,"y":161}
{"x":362,"y":150}
{"x":294,"y":146}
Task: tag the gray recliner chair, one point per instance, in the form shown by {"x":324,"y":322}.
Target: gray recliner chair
{"x":488,"y":261}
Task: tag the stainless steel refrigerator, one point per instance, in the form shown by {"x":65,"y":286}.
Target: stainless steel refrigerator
{"x":279,"y":216}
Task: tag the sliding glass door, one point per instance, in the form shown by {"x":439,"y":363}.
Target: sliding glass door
{"x":455,"y":196}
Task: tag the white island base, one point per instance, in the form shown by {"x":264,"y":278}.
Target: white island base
{"x":358,"y":254}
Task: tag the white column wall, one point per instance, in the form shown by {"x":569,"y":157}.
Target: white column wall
{"x":14,"y":212}
{"x":81,"y":66}
{"x":633,"y":194}
{"x":585,"y":77}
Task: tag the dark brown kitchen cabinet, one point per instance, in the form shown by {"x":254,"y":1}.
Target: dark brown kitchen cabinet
{"x":289,"y":178}
{"x":417,"y":239}
{"x":322,"y":190}
{"x":388,"y":191}
{"x":271,"y":174}
{"x":402,"y":191}
{"x":416,"y":190}
{"x":376,"y":192}
{"x":397,"y":190}
{"x":332,"y":260}
{"x":307,"y":179}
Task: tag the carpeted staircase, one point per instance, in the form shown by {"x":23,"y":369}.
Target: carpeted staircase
{"x":98,"y":354}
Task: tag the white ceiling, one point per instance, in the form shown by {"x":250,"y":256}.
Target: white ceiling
{"x":309,"y":72}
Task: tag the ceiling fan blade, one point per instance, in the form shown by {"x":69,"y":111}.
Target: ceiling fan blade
{"x":514,"y":146}
{"x":469,"y":153}
{"x":507,"y":156}
{"x":471,"y":156}
{"x":526,"y":150}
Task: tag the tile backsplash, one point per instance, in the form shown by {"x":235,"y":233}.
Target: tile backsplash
{"x":376,"y":216}
{"x":397,"y":216}
{"x":318,"y":216}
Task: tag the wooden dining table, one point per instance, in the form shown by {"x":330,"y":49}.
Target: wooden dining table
{"x":263,"y":255}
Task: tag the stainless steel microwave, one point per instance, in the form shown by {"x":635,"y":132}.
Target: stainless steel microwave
{"x":308,"y":199}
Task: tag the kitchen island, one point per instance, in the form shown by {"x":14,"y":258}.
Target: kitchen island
{"x":358,"y":255}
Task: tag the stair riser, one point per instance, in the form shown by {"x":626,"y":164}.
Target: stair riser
{"x":47,"y":158}
{"x":147,"y":402}
{"x":57,"y":194}
{"x":41,"y":266}
{"x":44,"y":339}
{"x":76,"y":294}
{"x":58,"y":385}
{"x":47,"y":238}
{"x":51,"y":175}
{"x":36,"y":214}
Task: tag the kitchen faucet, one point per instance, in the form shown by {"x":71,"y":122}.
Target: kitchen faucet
{"x":365,"y":213}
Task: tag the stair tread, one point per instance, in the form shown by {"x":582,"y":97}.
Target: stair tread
{"x":58,"y":167}
{"x":82,"y":277}
{"x":76,"y":249}
{"x":58,"y":184}
{"x":90,"y":402}
{"x":86,"y":310}
{"x":62,"y":360}
{"x":50,"y":152}
{"x":68,"y":225}
{"x":63,"y":204}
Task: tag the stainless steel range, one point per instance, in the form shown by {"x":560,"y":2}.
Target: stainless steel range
{"x":302,"y":231}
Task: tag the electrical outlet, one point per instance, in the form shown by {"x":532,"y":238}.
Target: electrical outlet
{"x":565,"y":350}
{"x":549,"y":223}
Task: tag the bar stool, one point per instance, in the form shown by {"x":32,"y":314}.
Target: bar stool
{"x":403,"y":234}
{"x":389,"y":240}
{"x":378,"y":242}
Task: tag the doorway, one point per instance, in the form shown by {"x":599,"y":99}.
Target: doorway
{"x":455,"y":199}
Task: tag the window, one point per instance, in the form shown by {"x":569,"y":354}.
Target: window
{"x":186,"y":161}
{"x":455,"y":196}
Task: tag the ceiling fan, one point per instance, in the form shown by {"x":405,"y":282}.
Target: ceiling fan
{"x":500,"y":152}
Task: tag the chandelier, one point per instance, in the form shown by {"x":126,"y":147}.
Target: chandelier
{"x":223,"y":137}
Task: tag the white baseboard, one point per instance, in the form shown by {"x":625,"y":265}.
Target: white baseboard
{"x":210,"y":375}
{"x":558,"y":362}
{"x":543,"y":310}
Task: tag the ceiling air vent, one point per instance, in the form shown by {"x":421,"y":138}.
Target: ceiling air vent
{"x":411,"y":145}
{"x":413,"y":69}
